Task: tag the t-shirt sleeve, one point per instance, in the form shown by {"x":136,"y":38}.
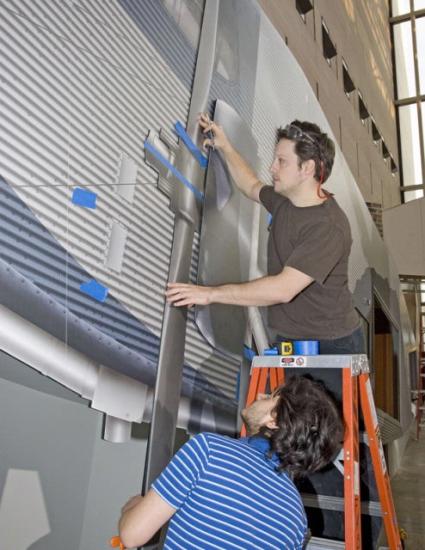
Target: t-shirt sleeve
{"x":318,"y":251}
{"x":268,"y":198}
{"x":182,"y":474}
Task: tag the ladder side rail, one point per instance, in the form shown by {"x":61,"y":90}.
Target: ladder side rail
{"x":421,"y":369}
{"x":352,"y":512}
{"x":421,"y":379}
{"x":277,"y":377}
{"x":273,"y":379}
{"x":378,"y":462}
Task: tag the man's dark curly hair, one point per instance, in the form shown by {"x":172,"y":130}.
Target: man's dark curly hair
{"x":310,"y":144}
{"x":309,"y":430}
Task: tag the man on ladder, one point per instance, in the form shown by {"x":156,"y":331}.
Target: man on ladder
{"x":306,"y":289}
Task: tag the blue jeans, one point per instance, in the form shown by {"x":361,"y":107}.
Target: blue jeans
{"x":353,"y":343}
{"x":347,"y":345}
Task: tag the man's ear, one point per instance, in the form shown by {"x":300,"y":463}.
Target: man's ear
{"x":309,"y":167}
{"x":271,"y":424}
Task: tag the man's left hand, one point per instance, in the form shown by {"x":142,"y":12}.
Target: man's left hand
{"x":183,"y":294}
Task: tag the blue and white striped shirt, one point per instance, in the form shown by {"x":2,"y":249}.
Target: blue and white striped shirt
{"x":228,"y":495}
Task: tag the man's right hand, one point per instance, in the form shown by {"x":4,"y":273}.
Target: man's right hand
{"x":242,"y":174}
{"x":215,"y":136}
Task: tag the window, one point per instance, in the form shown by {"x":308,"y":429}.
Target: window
{"x":394,"y":168}
{"x":412,"y":195}
{"x":363,"y":112}
{"x":420,"y":39}
{"x":303,"y":6}
{"x":385,"y":152}
{"x":410,"y":145}
{"x":404,"y":60}
{"x":422,"y":109}
{"x":348,"y":83}
{"x":329,"y":50}
{"x":408,"y":31}
{"x":376,"y":136}
{"x":400,"y":7}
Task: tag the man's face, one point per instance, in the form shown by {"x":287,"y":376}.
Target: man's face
{"x":259,"y":413}
{"x":286,"y":173}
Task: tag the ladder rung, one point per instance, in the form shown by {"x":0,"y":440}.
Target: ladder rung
{"x":317,"y":543}
{"x":325,"y":502}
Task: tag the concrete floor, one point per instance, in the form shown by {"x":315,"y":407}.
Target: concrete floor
{"x":408,"y":487}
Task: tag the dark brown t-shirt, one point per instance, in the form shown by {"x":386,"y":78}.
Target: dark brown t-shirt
{"x":317,"y":241}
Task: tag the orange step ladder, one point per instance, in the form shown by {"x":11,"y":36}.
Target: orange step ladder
{"x":355,"y":384}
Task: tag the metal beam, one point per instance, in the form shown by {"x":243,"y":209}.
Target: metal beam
{"x":187,"y":215}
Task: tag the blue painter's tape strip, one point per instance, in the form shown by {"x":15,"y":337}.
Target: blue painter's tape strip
{"x":198,"y":194}
{"x":95,"y":290}
{"x":187,"y":140}
{"x":85,"y":198}
{"x":271,"y":351}
{"x":248,"y":353}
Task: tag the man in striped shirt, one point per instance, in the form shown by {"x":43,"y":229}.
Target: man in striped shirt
{"x":223,"y":493}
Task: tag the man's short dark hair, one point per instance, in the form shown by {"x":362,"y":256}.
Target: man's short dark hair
{"x":310,"y":429}
{"x":310,"y":144}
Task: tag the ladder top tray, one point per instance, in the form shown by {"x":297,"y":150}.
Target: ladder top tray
{"x":357,"y":363}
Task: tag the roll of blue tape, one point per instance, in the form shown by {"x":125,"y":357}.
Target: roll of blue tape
{"x":271,"y":351}
{"x":306,"y":347}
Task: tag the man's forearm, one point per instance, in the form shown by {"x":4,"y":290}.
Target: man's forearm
{"x":243,"y":175}
{"x":265,"y":291}
{"x":142,"y":517}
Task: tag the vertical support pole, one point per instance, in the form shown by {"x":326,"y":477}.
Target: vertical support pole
{"x":187,"y":210}
{"x":379,"y":464}
{"x":352,"y":514}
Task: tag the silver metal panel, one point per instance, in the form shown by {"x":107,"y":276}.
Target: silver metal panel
{"x":226,"y":235}
{"x":84,"y":84}
{"x":221,"y":369}
{"x":125,"y":183}
{"x":71,"y":94}
{"x":116,"y":246}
